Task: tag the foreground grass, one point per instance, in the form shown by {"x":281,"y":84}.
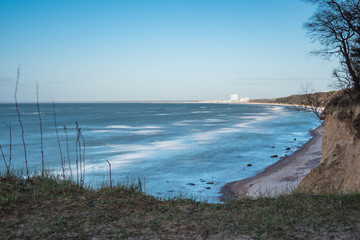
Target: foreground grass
{"x":46,"y":208}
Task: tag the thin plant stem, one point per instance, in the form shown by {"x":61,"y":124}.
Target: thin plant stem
{"x":80,"y":160}
{"x":3,"y":156}
{"x":77,"y":153}
{"x":10,"y":148}
{"x":77,"y":162}
{"x":7,"y":164}
{"x":109,"y":173}
{"x":58,"y":141}
{"x":83,"y":155}
{"x":20,"y":123}
{"x":67,"y":149}
{"x":41,"y":132}
{"x":80,"y":154}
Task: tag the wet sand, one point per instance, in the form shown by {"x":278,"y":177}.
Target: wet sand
{"x":281,"y":177}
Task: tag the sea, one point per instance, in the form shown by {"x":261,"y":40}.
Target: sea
{"x":176,"y":149}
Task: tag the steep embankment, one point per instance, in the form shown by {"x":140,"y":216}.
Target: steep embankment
{"x":339,"y":169}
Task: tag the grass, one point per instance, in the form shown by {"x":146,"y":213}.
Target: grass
{"x":47,"y":208}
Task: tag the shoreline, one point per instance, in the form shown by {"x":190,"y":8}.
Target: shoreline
{"x":281,"y":177}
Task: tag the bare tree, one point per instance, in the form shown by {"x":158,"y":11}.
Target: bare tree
{"x":311,"y":102}
{"x":336,"y":26}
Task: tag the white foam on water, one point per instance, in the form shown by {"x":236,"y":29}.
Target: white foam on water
{"x":119,"y":126}
{"x":146,"y":132}
{"x":214,"y":120}
{"x":170,"y":145}
{"x":277,"y":108}
{"x":151,"y":127}
{"x":202,"y":137}
{"x":226,"y":130}
{"x":128,"y":147}
{"x":263,"y":118}
{"x":104,"y":131}
{"x":255,"y":119}
{"x":131,"y":127}
{"x":184,"y":122}
{"x":136,"y":151}
{"x":116,"y":162}
{"x":181,"y":123}
{"x":208,"y":136}
{"x":196,"y":112}
{"x":242,"y":125}
{"x":245,"y":117}
{"x":32,"y":113}
{"x":129,"y":157}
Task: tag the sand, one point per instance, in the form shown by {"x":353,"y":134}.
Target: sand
{"x":281,"y":177}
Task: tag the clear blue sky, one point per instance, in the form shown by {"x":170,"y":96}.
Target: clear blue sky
{"x":156,"y":50}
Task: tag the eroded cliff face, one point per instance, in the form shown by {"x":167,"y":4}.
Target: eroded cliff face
{"x":339,"y":169}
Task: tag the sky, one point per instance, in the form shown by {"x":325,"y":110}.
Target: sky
{"x":153,"y":50}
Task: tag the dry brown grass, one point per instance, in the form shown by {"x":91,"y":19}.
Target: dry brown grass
{"x":47,"y":208}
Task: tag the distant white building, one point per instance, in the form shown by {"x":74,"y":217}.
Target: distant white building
{"x":244,"y":99}
{"x":234,"y":97}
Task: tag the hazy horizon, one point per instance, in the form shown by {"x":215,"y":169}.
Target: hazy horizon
{"x":156,"y":50}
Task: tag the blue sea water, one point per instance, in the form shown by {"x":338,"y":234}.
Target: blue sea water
{"x":190,"y":149}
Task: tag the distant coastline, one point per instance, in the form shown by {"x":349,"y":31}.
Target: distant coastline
{"x":190,"y":101}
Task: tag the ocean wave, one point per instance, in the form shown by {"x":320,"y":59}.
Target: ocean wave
{"x":105,"y":131}
{"x":277,"y":108}
{"x":214,"y":120}
{"x":243,"y":125}
{"x":131,"y":127}
{"x":32,"y":113}
{"x":184,"y":122}
{"x":151,"y":127}
{"x":177,"y":144}
{"x":226,"y":130}
{"x":254,"y":119}
{"x":128,"y":153}
{"x":212,"y":135}
{"x":117,"y":162}
{"x":127,"y":147}
{"x":163,"y":114}
{"x":119,"y":126}
{"x":202,"y":137}
{"x":181,"y":123}
{"x":146,"y":132}
{"x":196,"y":112}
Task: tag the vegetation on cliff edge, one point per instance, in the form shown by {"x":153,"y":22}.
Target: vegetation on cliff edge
{"x":47,"y":208}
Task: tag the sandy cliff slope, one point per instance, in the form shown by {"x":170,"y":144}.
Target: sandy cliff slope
{"x":339,"y":169}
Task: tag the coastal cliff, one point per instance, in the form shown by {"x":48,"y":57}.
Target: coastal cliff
{"x":339,"y":169}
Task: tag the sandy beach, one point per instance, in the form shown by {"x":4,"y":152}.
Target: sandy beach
{"x":281,"y":177}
